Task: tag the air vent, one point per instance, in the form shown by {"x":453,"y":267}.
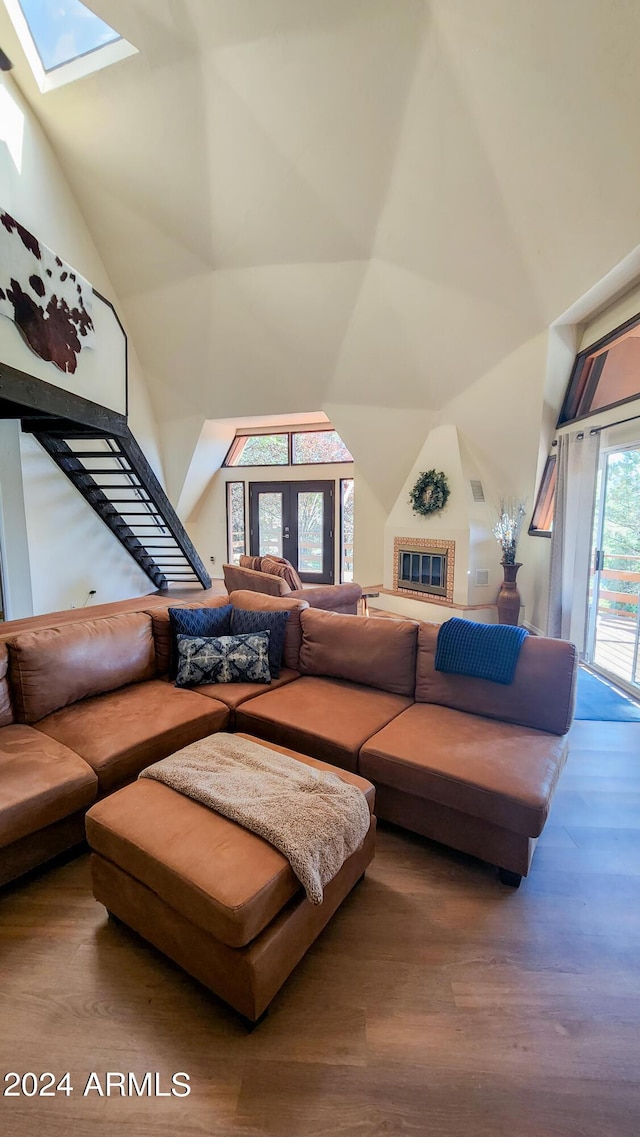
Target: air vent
{"x":482,"y":575}
{"x":477,"y":490}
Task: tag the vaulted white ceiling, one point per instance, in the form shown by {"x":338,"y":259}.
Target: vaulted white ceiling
{"x":367,"y":203}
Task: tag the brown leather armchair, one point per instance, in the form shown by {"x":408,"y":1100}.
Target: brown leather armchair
{"x":330,"y":597}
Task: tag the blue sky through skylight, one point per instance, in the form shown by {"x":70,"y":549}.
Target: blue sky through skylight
{"x":64,"y":29}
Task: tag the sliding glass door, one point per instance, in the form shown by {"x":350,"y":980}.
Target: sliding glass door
{"x":614,"y":612}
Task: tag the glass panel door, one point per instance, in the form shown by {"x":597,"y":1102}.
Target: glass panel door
{"x":311,"y":521}
{"x":614,"y":614}
{"x":295,"y":520}
{"x":270,"y":524}
{"x":310,"y":532}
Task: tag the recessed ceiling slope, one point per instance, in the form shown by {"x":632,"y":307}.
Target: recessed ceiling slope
{"x":368,"y":204}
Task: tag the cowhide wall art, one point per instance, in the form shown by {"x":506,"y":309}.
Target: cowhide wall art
{"x":49,"y":302}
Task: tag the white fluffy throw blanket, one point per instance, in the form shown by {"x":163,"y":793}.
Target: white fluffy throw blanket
{"x":314,"y":818}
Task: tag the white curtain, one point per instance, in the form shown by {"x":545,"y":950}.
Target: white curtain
{"x":576,"y":475}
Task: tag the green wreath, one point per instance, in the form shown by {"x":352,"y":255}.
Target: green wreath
{"x":430,"y":493}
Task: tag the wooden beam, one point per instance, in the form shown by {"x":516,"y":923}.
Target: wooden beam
{"x":34,"y":397}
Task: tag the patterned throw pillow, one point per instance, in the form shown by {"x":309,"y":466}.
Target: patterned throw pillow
{"x":245,"y":623}
{"x":223,"y":659}
{"x":278,"y":566}
{"x":197,"y":622}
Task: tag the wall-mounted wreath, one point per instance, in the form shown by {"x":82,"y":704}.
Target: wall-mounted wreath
{"x":430,"y":493}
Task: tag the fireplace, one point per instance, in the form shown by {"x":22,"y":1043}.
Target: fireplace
{"x":424,"y":572}
{"x":424,"y":568}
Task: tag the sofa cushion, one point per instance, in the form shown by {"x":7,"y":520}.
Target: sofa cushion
{"x":121,"y":733}
{"x":6,"y":709}
{"x":250,"y":562}
{"x":376,"y":652}
{"x":496,"y":771}
{"x":233,"y":694}
{"x":257,"y":602}
{"x":219,"y":876}
{"x":223,"y":659}
{"x":542,"y":694}
{"x":275,"y":623}
{"x":279,"y":566}
{"x":41,"y":782}
{"x":162,"y":633}
{"x":54,"y":667}
{"x":327,"y":718}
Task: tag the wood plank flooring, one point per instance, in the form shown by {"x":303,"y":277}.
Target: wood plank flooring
{"x":437,"y":1002}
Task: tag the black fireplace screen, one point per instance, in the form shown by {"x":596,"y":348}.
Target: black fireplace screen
{"x":423,"y":572}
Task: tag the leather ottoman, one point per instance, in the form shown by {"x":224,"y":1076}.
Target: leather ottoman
{"x":221,"y":902}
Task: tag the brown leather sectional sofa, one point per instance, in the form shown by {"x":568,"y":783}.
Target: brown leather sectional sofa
{"x":85,"y":705}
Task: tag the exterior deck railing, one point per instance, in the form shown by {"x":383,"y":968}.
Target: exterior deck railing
{"x":617,"y":644}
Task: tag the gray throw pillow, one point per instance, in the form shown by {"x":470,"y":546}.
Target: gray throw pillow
{"x":223,"y":659}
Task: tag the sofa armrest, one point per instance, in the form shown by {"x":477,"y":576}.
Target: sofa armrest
{"x":331,"y":597}
{"x":238,"y":579}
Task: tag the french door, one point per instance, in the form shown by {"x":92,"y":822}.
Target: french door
{"x":294,"y":520}
{"x":614,"y":608}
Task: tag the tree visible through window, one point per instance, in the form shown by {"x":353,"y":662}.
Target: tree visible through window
{"x":298,"y":448}
{"x":314,"y":446}
{"x":236,"y":530}
{"x":346,"y":530}
{"x":259,"y":450}
{"x":621,"y":533}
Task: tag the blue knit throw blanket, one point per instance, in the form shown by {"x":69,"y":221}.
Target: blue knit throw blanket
{"x":487,"y":651}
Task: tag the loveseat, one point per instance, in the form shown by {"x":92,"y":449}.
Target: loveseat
{"x":275,"y":576}
{"x":86,"y":705}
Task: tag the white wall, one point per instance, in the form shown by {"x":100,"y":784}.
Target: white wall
{"x":464,"y":521}
{"x":368,"y":532}
{"x":70,"y":549}
{"x":14,"y":544}
{"x":621,"y":310}
{"x":500,"y":418}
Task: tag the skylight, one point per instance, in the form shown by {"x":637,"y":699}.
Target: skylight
{"x":64,"y":40}
{"x":63,"y":30}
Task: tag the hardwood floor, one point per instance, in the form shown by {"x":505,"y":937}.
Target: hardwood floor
{"x":437,"y":1002}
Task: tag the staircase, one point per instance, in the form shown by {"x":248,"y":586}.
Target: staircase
{"x":114,"y":477}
